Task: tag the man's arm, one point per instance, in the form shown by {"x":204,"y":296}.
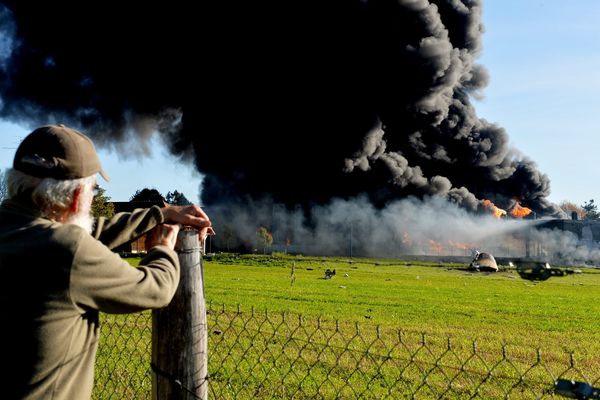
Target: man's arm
{"x":101,"y":280}
{"x":125,"y":227}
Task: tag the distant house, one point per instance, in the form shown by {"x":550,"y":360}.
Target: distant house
{"x":137,"y":245}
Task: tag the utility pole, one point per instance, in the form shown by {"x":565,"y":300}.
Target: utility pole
{"x":350,"y":240}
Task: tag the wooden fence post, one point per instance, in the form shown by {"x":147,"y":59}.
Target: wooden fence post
{"x":179,"y":336}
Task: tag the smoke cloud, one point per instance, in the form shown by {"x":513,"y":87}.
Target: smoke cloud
{"x":565,"y":248}
{"x":408,"y":227}
{"x":301,"y":101}
{"x":355,"y":227}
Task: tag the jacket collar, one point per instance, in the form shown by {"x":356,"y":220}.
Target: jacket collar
{"x":22,"y":204}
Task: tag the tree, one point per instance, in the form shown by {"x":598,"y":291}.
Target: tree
{"x":226,"y":234}
{"x":571,"y":208}
{"x":177,"y":198}
{"x":265,"y":238}
{"x":150,"y":195}
{"x":3,"y":186}
{"x":591,"y":210}
{"x":101,"y":207}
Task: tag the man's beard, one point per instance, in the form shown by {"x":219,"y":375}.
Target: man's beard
{"x":83,"y":218}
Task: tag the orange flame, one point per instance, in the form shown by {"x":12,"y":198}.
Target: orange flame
{"x":435,"y":246}
{"x":462,"y":246}
{"x":519,"y":211}
{"x":496,"y":212}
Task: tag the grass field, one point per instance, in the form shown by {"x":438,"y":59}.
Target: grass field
{"x":377,"y":329}
{"x":433,"y":298}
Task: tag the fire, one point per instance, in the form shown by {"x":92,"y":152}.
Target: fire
{"x":436,"y":247}
{"x":496,"y":212}
{"x":461,"y":246}
{"x":519,"y":211}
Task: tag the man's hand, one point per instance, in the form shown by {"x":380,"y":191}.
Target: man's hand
{"x":164,"y":234}
{"x":191,"y":215}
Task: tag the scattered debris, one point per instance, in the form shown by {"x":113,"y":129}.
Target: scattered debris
{"x":483,"y":262}
{"x":541,"y":271}
{"x":329,"y":273}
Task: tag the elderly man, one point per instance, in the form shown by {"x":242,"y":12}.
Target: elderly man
{"x":58,"y":270}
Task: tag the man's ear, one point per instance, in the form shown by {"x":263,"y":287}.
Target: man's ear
{"x":74,"y":207}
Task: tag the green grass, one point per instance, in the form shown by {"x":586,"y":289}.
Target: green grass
{"x":520,"y":332}
{"x":390,"y":329}
{"x":434,"y":298}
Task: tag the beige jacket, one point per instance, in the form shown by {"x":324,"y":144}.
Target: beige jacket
{"x":55,"y":278}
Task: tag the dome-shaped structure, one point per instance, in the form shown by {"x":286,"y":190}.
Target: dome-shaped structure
{"x":484,"y":262}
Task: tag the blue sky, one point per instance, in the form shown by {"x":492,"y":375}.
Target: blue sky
{"x":157,"y":170}
{"x":543,"y":58}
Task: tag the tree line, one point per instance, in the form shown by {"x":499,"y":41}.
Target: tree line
{"x":587,"y":211}
{"x":103,"y":207}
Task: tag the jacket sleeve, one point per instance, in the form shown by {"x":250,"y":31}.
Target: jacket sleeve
{"x":125,"y":227}
{"x":101,"y":280}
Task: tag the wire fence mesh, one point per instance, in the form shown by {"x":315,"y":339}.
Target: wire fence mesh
{"x":262,"y":355}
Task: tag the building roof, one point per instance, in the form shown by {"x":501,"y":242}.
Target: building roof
{"x":129,"y":206}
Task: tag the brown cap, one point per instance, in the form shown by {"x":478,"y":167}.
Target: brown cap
{"x":59,"y":152}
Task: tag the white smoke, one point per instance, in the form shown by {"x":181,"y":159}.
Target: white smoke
{"x":565,"y":248}
{"x":407,"y":227}
{"x":355,"y":227}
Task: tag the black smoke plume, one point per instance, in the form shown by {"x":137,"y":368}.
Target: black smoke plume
{"x":300,"y":101}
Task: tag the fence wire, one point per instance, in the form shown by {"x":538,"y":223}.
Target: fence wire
{"x":262,"y":355}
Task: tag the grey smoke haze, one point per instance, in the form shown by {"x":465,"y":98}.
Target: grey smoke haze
{"x":403,"y":227}
{"x":566,"y":248}
{"x":412,"y":226}
{"x":363,"y":98}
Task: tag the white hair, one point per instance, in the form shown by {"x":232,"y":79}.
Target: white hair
{"x":52,"y":195}
{"x":18,"y":183}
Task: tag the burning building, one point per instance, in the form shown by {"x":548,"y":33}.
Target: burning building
{"x":431,"y":229}
{"x":565,"y":241}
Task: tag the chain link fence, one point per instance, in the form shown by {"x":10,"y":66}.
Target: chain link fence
{"x":262,"y":355}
